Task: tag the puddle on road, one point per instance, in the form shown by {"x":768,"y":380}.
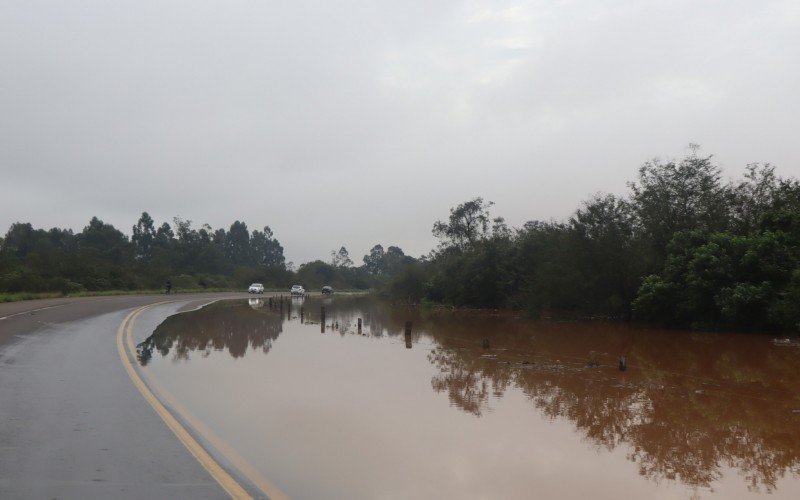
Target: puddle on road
{"x":327,"y":412}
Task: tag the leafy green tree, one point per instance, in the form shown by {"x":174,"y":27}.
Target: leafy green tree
{"x":237,"y":244}
{"x":106,"y":240}
{"x":144,"y":234}
{"x":184,"y":231}
{"x":723,"y":279}
{"x":19,"y":239}
{"x":374,"y":261}
{"x":267,"y":250}
{"x":546,"y":271}
{"x":316,"y":274}
{"x":410,"y":284}
{"x":341,"y":258}
{"x":610,"y":253}
{"x":391,"y":261}
{"x":164,"y":236}
{"x":468,"y":223}
{"x":671,"y":197}
{"x":754,"y":196}
{"x":394,"y":260}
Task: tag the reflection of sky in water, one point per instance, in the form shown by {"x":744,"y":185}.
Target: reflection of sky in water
{"x":343,"y":415}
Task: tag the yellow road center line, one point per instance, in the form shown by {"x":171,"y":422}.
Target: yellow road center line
{"x":223,"y":448}
{"x":228,"y":483}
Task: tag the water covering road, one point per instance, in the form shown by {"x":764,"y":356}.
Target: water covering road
{"x":328,"y":410}
{"x":286,"y":402}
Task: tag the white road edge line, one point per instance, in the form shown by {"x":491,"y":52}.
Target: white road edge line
{"x":31,"y":311}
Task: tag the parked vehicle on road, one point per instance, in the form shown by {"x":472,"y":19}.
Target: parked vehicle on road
{"x":298,"y":291}
{"x":327,"y":290}
{"x":256,"y":288}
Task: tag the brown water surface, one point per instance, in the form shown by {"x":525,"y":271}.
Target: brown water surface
{"x":324,"y":411}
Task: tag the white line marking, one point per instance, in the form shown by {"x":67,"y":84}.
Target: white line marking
{"x":32,"y":311}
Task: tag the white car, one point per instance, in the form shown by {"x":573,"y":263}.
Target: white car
{"x":298,"y":290}
{"x":256,"y":288}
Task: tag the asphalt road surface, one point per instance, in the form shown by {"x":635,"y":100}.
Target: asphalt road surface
{"x":72,"y":423}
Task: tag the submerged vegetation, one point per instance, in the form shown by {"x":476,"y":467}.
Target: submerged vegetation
{"x":683,"y":248}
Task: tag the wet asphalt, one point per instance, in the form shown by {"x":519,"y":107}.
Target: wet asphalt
{"x":72,"y":424}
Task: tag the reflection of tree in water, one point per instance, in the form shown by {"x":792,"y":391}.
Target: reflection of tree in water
{"x":688,"y":406}
{"x":465,"y":381}
{"x":224,"y":324}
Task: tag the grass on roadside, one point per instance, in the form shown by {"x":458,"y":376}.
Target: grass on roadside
{"x":15,"y":297}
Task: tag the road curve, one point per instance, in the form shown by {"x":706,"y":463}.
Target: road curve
{"x":72,"y":424}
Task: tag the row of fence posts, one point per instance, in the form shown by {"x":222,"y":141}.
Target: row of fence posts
{"x":273,"y":303}
{"x":360,"y":325}
{"x":623,"y":362}
{"x":278,"y":303}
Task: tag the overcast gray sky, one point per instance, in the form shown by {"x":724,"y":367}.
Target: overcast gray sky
{"x":355,"y":123}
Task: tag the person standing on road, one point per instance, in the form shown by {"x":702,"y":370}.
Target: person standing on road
{"x":168,"y":286}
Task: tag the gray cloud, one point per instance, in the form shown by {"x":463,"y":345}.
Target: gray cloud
{"x":357,"y":123}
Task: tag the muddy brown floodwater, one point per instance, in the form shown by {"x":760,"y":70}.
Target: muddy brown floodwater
{"x":324,"y":411}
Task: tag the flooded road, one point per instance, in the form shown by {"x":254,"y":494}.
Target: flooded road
{"x":543,"y":410}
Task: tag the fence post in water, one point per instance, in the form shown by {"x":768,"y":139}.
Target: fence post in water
{"x":359,"y":326}
{"x":408,"y":335}
{"x":302,"y":315}
{"x":270,"y":302}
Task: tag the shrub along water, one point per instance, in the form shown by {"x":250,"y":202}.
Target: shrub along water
{"x":683,"y":248}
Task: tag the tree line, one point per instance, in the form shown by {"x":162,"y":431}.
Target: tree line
{"x":102,"y":258}
{"x":683,"y":248}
